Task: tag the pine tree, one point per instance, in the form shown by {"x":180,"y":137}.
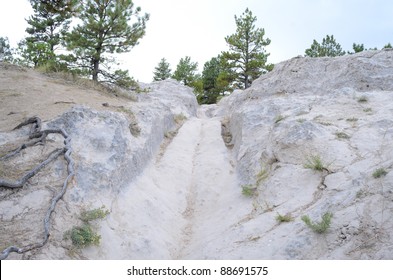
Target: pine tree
{"x":247,"y":56}
{"x":162,"y":71}
{"x":387,"y":46}
{"x":47,"y":28}
{"x":106,"y":29}
{"x":358,"y":47}
{"x":329,"y":47}
{"x":210,"y":74}
{"x":186,"y":71}
{"x":5,"y":50}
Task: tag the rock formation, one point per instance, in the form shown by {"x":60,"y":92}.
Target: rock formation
{"x":310,"y":139}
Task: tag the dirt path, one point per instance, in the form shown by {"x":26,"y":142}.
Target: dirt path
{"x":179,"y":207}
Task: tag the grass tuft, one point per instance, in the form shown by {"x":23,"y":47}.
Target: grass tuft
{"x":279,"y":118}
{"x":248,"y":190}
{"x":314,"y":162}
{"x":380,"y":172}
{"x":284,"y":218}
{"x":363,"y":99}
{"x":319,"y":227}
{"x":342,"y":135}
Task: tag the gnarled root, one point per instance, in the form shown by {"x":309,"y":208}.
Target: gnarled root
{"x":39,"y":136}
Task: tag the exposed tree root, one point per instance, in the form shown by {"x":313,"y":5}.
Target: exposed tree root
{"x":39,"y":136}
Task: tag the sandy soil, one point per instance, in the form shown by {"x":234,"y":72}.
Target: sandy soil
{"x":52,"y":96}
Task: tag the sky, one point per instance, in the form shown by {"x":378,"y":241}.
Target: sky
{"x":197,"y":28}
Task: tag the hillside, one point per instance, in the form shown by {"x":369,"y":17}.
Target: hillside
{"x":188,"y":182}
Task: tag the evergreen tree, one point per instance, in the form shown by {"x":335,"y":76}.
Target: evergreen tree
{"x":47,"y":28}
{"x":358,"y":47}
{"x":329,"y":47}
{"x":247,"y":56}
{"x":186,"y":71}
{"x":106,"y":29}
{"x":5,"y":50}
{"x":162,"y":71}
{"x":210,"y":74}
{"x":387,"y":46}
{"x":35,"y":53}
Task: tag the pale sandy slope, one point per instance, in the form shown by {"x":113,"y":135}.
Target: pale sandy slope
{"x":181,"y":205}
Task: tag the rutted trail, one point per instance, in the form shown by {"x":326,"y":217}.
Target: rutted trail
{"x":180,"y":206}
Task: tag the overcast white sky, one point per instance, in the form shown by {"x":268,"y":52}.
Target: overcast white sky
{"x":197,"y":28}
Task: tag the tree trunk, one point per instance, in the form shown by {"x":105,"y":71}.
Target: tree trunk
{"x":96,"y":64}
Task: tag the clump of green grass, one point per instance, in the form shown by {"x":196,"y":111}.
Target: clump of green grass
{"x":319,"y":227}
{"x":363,"y":99}
{"x":284,"y":218}
{"x":342,"y":135}
{"x":249,"y":190}
{"x":315,"y":162}
{"x":380,"y":172}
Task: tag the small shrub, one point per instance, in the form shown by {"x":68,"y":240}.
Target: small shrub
{"x":380,"y":172}
{"x":352,"y":119}
{"x":91,"y":215}
{"x":315,"y":163}
{"x":363,"y":99}
{"x":84,"y":236}
{"x":367,"y":110}
{"x":320,"y":227}
{"x":248,"y":190}
{"x":284,"y":218}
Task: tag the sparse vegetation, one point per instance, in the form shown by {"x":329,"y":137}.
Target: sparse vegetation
{"x":380,"y":172}
{"x":315,"y":162}
{"x":84,"y":235}
{"x":284,"y":218}
{"x":360,"y":193}
{"x":367,"y":110}
{"x":179,"y":118}
{"x":363,"y":99}
{"x":91,"y":215}
{"x":279,"y":118}
{"x":319,"y":227}
{"x":249,"y":190}
{"x":262,"y":175}
{"x":352,"y":119}
{"x":342,"y":135}
{"x":170,"y":134}
{"x":325,"y":123}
